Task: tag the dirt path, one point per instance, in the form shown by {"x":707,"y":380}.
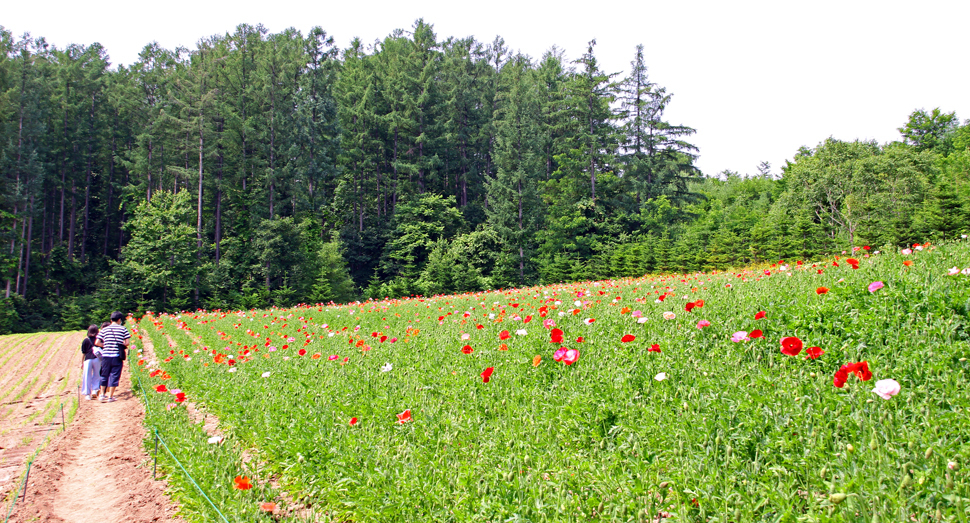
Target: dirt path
{"x":98,"y":470}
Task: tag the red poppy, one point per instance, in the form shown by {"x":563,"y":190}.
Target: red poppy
{"x":242,"y":483}
{"x":625,"y":310}
{"x":628,"y":338}
{"x":504,"y":335}
{"x":353,"y":421}
{"x":383,"y":339}
{"x":861,"y":370}
{"x":284,"y":347}
{"x":654,"y":348}
{"x":161,"y":388}
{"x":571,"y":356}
{"x":302,"y":352}
{"x":467,"y":349}
{"x":503,"y":347}
{"x":180,"y":397}
{"x":756,"y":334}
{"x":822,"y":290}
{"x":479,"y":326}
{"x":865,"y":247}
{"x":404,"y":417}
{"x":487,"y":374}
{"x":527,"y":319}
{"x":580,"y":340}
{"x":908,"y":263}
{"x":269,"y":507}
{"x":791,"y":346}
{"x":759,"y":315}
{"x":852,"y":261}
{"x":555,"y":336}
{"x":689,"y":306}
{"x":699,"y":303}
{"x":814,"y":353}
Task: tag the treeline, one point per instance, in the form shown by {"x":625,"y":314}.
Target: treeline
{"x":260,"y":169}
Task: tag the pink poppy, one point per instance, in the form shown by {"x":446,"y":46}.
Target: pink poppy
{"x":571,"y":356}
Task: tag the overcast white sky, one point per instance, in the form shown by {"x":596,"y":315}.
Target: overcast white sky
{"x":756,"y":79}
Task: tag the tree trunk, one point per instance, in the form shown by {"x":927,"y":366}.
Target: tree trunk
{"x":218,"y":224}
{"x":30,"y":239}
{"x":87,"y":186}
{"x":107,"y":213}
{"x":72,"y":227}
{"x":198,"y":219}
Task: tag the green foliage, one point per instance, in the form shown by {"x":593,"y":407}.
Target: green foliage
{"x":157,"y":265}
{"x":333,"y":283}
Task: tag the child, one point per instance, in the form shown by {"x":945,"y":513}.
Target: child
{"x":91,"y":369}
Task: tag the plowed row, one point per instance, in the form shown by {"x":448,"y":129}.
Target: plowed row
{"x":38,"y":375}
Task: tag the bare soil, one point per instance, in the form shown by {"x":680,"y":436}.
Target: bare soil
{"x":97,"y":469}
{"x":38,"y":376}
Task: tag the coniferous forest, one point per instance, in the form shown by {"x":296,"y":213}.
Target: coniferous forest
{"x":264,"y":169}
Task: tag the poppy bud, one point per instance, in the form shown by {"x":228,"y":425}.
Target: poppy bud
{"x":873,"y":445}
{"x":822,"y":472}
{"x":717,"y":441}
{"x":949,"y":482}
{"x":664,"y":484}
{"x":907,"y":481}
{"x":850,"y":448}
{"x":837,"y":498}
{"x":929,"y":453}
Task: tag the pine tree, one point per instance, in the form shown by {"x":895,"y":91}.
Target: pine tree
{"x":656,"y":157}
{"x":515,"y":206}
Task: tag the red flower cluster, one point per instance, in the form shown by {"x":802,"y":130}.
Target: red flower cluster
{"x":814,"y":353}
{"x":791,"y":346}
{"x":853,"y":262}
{"x":555,"y":336}
{"x":690,"y":306}
{"x":860,"y":369}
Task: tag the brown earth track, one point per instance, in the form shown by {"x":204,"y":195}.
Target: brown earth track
{"x":95,"y":470}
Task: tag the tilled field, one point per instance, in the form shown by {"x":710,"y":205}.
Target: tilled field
{"x":38,"y":377}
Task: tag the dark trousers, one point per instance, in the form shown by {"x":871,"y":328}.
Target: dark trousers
{"x":111,"y":371}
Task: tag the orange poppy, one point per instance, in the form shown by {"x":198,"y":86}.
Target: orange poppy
{"x":242,"y":483}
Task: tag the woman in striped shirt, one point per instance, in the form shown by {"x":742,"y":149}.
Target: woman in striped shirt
{"x":111,"y":341}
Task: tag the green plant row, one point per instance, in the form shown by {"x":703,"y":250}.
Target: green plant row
{"x":701,"y":428}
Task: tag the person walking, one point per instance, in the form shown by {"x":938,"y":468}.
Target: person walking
{"x":111,"y":343}
{"x":91,"y":365}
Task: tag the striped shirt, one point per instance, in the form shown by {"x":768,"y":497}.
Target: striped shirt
{"x":113,"y":336}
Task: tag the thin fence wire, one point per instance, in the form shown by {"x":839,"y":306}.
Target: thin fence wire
{"x":23,"y":483}
{"x":159,"y":439}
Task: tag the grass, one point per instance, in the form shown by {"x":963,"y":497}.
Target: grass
{"x":735,"y":432}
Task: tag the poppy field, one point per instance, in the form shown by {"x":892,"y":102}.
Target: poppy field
{"x":805,"y":390}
